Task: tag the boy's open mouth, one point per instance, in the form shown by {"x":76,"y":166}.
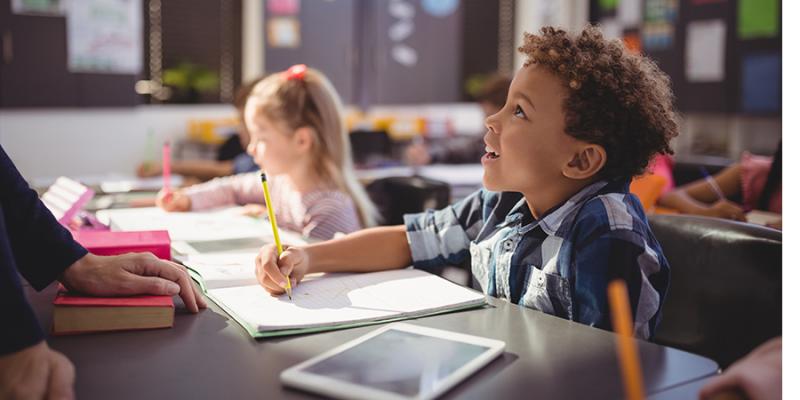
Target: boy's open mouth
{"x":490,"y":153}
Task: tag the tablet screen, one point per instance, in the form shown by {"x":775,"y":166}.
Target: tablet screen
{"x":397,"y":361}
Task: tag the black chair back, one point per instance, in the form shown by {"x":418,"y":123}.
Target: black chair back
{"x":724,"y":297}
{"x":395,"y":196}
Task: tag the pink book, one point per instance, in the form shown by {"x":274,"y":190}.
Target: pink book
{"x":65,"y":198}
{"x":107,"y":243}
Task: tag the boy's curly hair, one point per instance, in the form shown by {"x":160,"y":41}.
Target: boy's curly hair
{"x":615,"y":99}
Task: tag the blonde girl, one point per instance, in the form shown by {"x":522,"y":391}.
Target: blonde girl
{"x":299,"y":140}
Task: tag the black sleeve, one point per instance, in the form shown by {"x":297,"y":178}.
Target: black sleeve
{"x":32,"y":243}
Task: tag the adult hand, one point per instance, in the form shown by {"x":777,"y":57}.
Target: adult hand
{"x":725,"y":209}
{"x":36,"y":372}
{"x":132,"y":274}
{"x":174,"y":200}
{"x":758,"y":375}
{"x":272,"y":271}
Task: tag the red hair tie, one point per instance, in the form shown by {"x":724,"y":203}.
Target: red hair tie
{"x":295,"y":72}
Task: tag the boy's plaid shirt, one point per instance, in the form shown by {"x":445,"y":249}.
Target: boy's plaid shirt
{"x":560,"y":264}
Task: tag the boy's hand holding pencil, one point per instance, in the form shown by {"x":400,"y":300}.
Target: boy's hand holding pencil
{"x":272,"y":270}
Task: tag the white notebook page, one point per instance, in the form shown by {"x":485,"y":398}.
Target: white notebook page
{"x":334,"y":299}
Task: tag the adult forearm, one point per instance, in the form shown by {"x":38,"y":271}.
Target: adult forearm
{"x":374,"y":249}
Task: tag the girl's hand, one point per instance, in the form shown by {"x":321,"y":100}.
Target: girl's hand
{"x":174,"y":200}
{"x":254,"y":210}
{"x":272,"y":271}
{"x":725,"y":209}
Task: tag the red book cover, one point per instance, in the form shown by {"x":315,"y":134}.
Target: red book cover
{"x":108,"y":243}
{"x":64,"y":298}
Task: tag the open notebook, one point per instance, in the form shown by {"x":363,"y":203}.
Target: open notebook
{"x":325,"y":301}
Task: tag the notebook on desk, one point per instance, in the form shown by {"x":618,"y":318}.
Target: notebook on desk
{"x":326,"y":301}
{"x":199,"y":231}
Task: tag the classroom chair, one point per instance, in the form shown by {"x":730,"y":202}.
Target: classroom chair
{"x":370,"y":147}
{"x":724,"y":297}
{"x":398,"y":195}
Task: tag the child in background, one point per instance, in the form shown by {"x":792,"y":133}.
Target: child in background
{"x":231,"y":156}
{"x":491,"y":98}
{"x":556,"y":222}
{"x":756,"y":179}
{"x":298,"y":138}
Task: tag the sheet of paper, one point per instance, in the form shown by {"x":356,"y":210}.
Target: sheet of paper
{"x":129,"y":184}
{"x":104,"y":36}
{"x":705,"y":51}
{"x":630,"y":12}
{"x":345,"y":298}
{"x":762,"y":217}
{"x":114,"y":182}
{"x":222,"y":224}
{"x":223,"y":270}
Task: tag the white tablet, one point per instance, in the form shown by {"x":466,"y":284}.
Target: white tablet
{"x":398,"y":361}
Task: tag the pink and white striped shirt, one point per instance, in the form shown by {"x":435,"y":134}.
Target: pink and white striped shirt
{"x":318,"y":214}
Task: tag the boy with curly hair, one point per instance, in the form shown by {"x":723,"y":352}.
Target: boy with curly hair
{"x":556,"y":222}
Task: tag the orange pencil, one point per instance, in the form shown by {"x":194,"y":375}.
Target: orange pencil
{"x":627,"y":351}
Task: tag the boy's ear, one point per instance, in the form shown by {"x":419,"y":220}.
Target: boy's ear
{"x":304,"y":138}
{"x":586,"y":162}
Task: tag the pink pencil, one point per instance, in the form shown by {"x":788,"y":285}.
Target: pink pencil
{"x":165,"y":160}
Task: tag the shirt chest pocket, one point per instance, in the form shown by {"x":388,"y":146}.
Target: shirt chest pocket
{"x":480,"y":257}
{"x":549,"y":293}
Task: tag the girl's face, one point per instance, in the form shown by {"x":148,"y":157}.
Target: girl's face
{"x":272,"y":149}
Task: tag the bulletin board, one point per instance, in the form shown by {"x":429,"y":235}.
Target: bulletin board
{"x":723,"y":56}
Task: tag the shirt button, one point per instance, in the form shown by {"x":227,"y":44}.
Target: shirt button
{"x":541,"y":279}
{"x":508,"y":244}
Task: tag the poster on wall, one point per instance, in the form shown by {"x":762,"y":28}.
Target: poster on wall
{"x":658,"y":31}
{"x":630,"y":12}
{"x":705,"y":51}
{"x":761,"y":82}
{"x":758,"y":18}
{"x":52,"y":8}
{"x":104,"y":36}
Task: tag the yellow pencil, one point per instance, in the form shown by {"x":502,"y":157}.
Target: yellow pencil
{"x":627,"y":351}
{"x":274,"y":228}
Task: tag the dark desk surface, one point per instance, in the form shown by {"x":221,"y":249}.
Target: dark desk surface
{"x":210,"y":356}
{"x":686,"y":391}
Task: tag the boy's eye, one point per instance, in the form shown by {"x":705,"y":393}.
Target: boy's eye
{"x":518,"y":112}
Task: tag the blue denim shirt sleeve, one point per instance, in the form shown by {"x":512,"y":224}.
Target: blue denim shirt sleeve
{"x":440,"y":238}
